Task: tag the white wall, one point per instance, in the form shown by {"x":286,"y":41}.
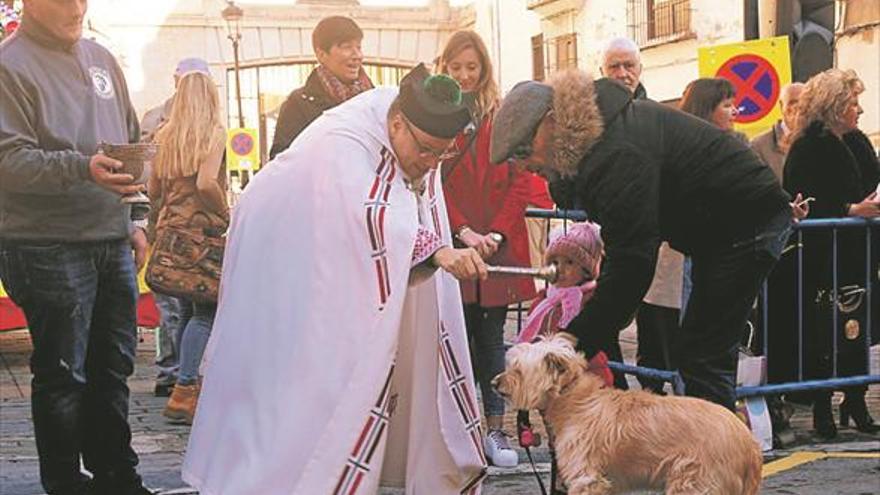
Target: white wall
{"x":861,"y":52}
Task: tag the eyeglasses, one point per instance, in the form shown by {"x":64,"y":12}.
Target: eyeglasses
{"x":427,"y":151}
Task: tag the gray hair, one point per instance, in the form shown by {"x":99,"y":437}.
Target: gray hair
{"x":786,"y":90}
{"x":620,"y":43}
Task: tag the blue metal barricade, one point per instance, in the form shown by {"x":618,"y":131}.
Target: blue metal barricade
{"x":834,"y":382}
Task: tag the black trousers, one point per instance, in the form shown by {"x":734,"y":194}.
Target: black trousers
{"x":657,"y":330}
{"x":725,"y":281}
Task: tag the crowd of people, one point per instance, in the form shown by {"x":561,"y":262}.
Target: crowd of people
{"x":357,"y":319}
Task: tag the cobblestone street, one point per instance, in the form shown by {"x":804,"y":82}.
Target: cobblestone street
{"x":850,"y":465}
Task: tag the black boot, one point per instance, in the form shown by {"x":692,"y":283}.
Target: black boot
{"x":823,"y":421}
{"x":854,"y":406}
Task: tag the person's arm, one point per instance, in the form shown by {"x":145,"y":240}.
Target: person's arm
{"x":208,"y":183}
{"x":24,"y":166}
{"x":625,"y":200}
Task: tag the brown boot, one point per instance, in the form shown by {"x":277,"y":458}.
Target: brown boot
{"x":181,"y":406}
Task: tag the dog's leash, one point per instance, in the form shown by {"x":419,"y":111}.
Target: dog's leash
{"x":527,"y":439}
{"x":535,"y":470}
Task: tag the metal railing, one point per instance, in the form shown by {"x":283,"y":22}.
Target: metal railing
{"x":833,"y":382}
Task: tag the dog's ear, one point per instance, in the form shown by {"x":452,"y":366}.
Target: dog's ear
{"x":555,"y":363}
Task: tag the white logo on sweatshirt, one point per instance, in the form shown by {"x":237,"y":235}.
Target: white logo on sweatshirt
{"x":102,"y":82}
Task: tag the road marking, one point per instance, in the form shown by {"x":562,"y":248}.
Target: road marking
{"x":798,"y":458}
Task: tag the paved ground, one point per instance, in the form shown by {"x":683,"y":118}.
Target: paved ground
{"x":850,"y":465}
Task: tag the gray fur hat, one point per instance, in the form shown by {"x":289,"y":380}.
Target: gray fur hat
{"x":517,"y":120}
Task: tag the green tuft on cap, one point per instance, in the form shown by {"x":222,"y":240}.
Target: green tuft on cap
{"x":443,"y":88}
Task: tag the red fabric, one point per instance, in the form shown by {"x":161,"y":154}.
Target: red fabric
{"x":539,"y":192}
{"x":598,"y":364}
{"x":12,"y":317}
{"x":491,"y":198}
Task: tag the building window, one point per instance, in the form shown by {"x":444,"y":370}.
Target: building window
{"x":656,"y":21}
{"x":553,"y":55}
{"x":538,"y":57}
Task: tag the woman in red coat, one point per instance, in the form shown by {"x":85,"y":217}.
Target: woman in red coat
{"x":486,"y":206}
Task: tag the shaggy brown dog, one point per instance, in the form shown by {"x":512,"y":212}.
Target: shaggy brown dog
{"x":611,"y":441}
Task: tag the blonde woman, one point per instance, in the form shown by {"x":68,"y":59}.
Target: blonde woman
{"x":189,"y":182}
{"x":486,"y":205}
{"x":832,"y":161}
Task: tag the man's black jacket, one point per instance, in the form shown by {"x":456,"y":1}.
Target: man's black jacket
{"x":660,"y":174}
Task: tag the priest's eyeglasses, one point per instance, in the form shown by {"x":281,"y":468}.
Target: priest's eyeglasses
{"x":427,"y":151}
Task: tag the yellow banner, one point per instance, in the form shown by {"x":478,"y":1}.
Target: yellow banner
{"x":242,"y":149}
{"x":758,"y":69}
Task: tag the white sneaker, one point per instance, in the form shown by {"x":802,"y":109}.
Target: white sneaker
{"x":498,"y":451}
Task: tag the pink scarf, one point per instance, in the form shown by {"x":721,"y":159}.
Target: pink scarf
{"x":569,"y":299}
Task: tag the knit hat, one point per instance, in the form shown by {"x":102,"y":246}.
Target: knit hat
{"x":433,"y":103}
{"x":581,"y":243}
{"x":333,"y":30}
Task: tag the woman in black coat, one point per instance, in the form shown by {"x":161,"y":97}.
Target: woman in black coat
{"x":832,"y":161}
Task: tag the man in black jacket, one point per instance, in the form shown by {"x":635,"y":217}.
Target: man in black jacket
{"x":648,"y":173}
{"x":339,"y":76}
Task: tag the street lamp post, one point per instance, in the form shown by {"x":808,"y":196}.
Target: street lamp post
{"x":232,"y":14}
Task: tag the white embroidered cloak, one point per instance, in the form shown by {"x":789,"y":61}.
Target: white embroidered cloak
{"x":328,"y":363}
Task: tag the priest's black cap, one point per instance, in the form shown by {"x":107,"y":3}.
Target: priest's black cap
{"x":433,"y":103}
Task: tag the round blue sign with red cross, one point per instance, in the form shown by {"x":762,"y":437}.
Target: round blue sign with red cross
{"x":756,"y":83}
{"x":242,"y":144}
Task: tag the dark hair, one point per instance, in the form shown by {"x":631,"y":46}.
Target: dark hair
{"x":334,"y":30}
{"x":703,"y":95}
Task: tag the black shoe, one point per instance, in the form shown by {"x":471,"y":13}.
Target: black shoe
{"x":163,"y":389}
{"x":854,"y":405}
{"x":110,"y":485}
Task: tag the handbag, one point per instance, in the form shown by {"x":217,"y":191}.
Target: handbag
{"x":186,"y":263}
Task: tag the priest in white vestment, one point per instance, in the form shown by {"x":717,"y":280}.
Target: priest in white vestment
{"x":338,"y":359}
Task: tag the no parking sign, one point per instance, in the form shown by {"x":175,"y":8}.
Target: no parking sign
{"x":242,"y":151}
{"x":758,"y":69}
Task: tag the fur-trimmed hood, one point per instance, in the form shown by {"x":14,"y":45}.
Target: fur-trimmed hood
{"x":582,"y":108}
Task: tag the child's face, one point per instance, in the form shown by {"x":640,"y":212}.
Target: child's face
{"x":569,"y":273}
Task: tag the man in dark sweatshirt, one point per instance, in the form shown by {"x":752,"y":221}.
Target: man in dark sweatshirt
{"x":648,"y":173}
{"x":66,"y":244}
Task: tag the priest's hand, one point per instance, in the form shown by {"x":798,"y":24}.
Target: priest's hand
{"x":463,"y":264}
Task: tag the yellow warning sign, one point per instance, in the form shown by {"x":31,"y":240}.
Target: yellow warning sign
{"x":242,"y":149}
{"x":758,"y":70}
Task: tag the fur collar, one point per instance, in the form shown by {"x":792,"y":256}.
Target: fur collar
{"x":579,"y":122}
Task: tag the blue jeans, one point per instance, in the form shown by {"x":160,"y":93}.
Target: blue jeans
{"x":196,"y":320}
{"x":80,"y":303}
{"x":725,"y":282}
{"x":485,"y":328}
{"x":168,"y":341}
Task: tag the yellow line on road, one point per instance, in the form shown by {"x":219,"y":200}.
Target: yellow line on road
{"x":798,"y":458}
{"x":790,"y":462}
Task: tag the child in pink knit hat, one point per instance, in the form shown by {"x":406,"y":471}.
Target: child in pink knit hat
{"x":577,"y":253}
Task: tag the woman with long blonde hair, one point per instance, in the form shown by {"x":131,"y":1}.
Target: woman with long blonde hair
{"x":486,"y":205}
{"x":832,"y":161}
{"x":188,"y":186}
